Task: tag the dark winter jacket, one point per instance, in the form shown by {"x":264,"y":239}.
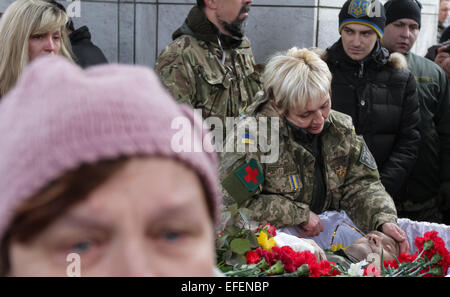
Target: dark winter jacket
{"x":379,"y":93}
{"x":86,"y":53}
{"x":432,"y":169}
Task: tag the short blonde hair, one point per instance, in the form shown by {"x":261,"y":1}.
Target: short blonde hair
{"x":22,"y":19}
{"x":292,"y":78}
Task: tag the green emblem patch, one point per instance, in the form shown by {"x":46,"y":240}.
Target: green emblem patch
{"x":250,"y":175}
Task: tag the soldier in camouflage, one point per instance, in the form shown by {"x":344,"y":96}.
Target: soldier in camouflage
{"x":322,"y":163}
{"x":210,"y":64}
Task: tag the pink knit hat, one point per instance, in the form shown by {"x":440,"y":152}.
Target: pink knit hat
{"x":59,"y":116}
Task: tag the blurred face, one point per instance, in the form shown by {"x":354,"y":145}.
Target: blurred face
{"x":358,"y":41}
{"x":44,"y":44}
{"x":400,"y":36}
{"x":231,"y":14}
{"x":312,"y":117}
{"x":374,"y":242}
{"x":150,"y":219}
{"x":444,"y":11}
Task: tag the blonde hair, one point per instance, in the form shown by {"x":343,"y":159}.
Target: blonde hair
{"x":22,"y":19}
{"x":292,"y":78}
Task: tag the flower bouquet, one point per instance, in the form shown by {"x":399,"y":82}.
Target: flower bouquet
{"x":431,"y":259}
{"x":246,"y":249}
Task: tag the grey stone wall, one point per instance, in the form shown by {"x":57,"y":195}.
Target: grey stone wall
{"x":135,"y":31}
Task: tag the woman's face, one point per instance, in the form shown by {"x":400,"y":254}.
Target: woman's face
{"x":44,"y":44}
{"x":374,"y":242}
{"x":312,"y":117}
{"x":150,"y":219}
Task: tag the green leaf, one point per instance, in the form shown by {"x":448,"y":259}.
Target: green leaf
{"x":252,"y":239}
{"x":303,"y":270}
{"x":227,"y":256}
{"x":240,"y":246}
{"x":236,"y":259}
{"x":276,"y":268}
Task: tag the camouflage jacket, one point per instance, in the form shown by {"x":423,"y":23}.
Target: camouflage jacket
{"x":197,"y":70}
{"x":280,"y":192}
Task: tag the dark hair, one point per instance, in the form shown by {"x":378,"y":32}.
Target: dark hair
{"x":38,"y":212}
{"x":201,"y":3}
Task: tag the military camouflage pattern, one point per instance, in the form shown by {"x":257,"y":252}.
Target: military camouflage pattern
{"x":193,"y":72}
{"x":351,"y":185}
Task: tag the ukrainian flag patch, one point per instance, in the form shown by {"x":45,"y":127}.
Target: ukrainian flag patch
{"x":247,"y":138}
{"x":294,"y":181}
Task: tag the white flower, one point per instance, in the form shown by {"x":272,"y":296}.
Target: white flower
{"x":356,"y":268}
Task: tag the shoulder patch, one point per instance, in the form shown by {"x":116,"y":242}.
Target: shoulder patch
{"x":366,"y":157}
{"x":250,"y":175}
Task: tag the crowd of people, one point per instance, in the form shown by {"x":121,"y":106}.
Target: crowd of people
{"x":87,"y":164}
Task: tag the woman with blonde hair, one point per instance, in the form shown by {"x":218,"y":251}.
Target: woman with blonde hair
{"x":322,"y":164}
{"x":29,"y":29}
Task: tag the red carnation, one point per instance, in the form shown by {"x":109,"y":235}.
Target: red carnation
{"x":252,"y":257}
{"x":402,"y":258}
{"x":267,"y":255}
{"x":320,"y":269}
{"x":271,"y":230}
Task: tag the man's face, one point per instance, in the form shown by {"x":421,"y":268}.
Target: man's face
{"x":400,"y":36}
{"x":444,"y":11}
{"x":358,"y":41}
{"x":232,"y":13}
{"x":374,"y":242}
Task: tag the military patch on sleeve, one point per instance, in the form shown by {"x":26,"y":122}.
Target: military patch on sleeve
{"x":247,"y":138}
{"x":366,"y":157}
{"x":339,"y":165}
{"x":243,"y":182}
{"x":294,"y":182}
{"x":250,"y":175}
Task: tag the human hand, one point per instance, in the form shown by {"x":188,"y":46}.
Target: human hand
{"x":313,"y":227}
{"x":443,"y":59}
{"x":398,"y":234}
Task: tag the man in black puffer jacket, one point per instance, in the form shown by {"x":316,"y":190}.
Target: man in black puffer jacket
{"x":377,"y":90}
{"x":426,"y":195}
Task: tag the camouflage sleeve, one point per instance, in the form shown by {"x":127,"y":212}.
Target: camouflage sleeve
{"x":264,"y":208}
{"x":278,"y":210}
{"x":176,"y":73}
{"x":242,"y":181}
{"x":364,"y":198}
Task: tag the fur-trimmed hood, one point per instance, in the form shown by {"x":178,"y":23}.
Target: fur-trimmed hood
{"x":398,"y":60}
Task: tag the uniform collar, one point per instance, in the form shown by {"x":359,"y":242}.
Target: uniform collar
{"x":198,"y":25}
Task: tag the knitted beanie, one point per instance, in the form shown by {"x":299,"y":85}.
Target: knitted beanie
{"x":58,"y":117}
{"x":363,"y":12}
{"x":402,"y":9}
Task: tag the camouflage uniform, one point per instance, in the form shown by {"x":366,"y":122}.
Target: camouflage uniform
{"x":202,"y":69}
{"x":281,"y":192}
